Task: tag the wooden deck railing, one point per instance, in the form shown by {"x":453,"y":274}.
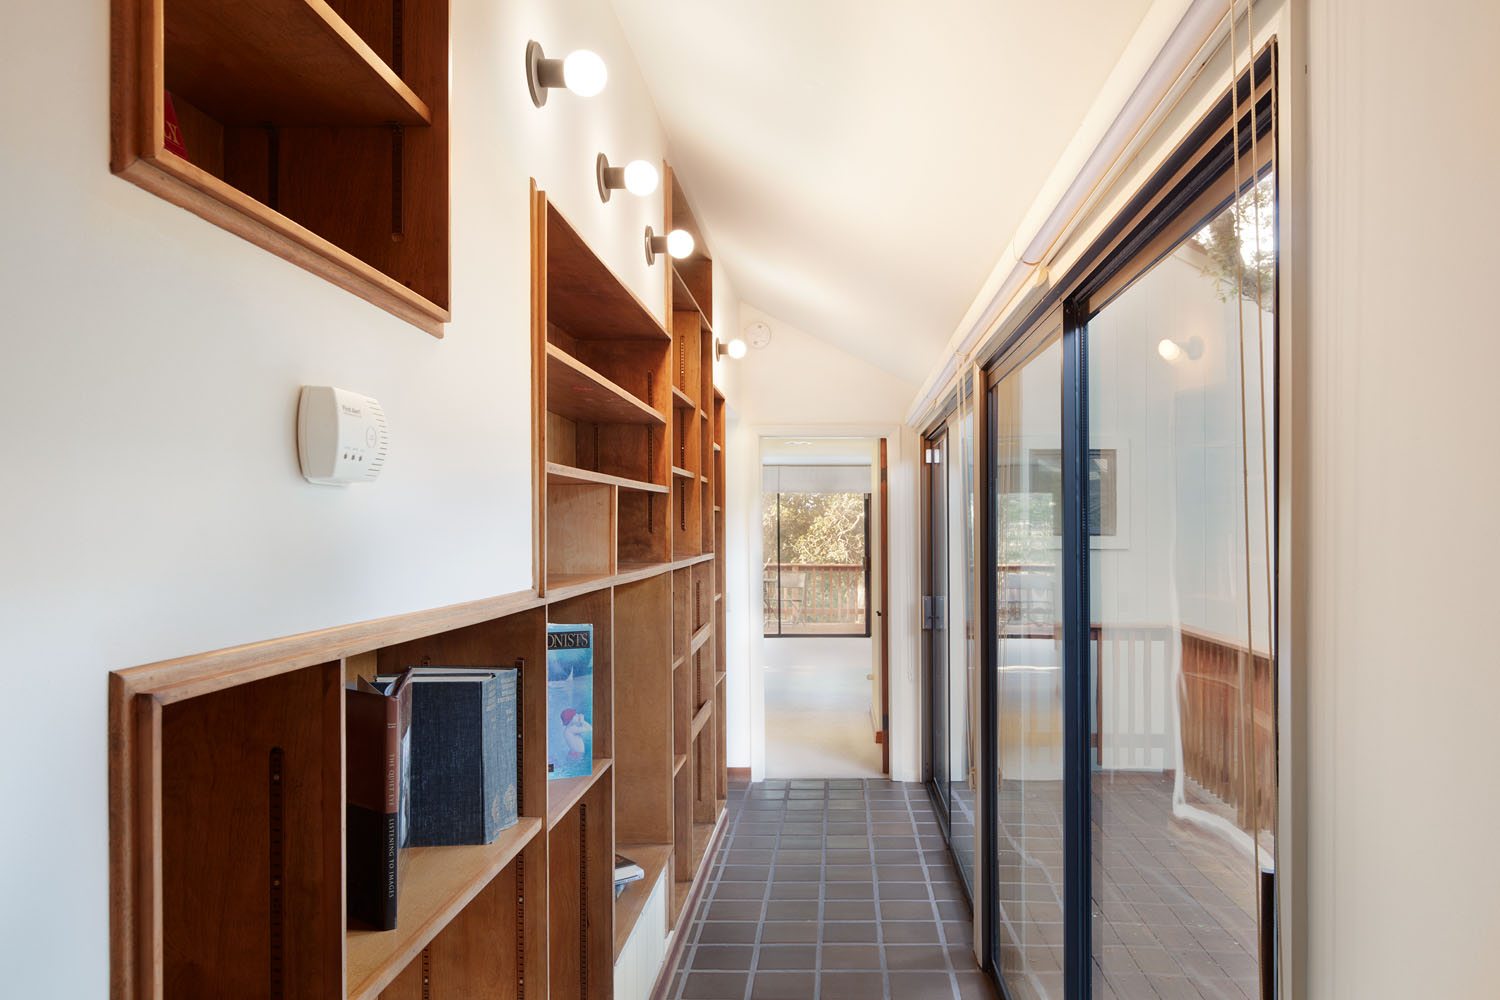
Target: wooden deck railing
{"x":1223,"y":733}
{"x":1220,"y":732}
{"x":816,"y":593}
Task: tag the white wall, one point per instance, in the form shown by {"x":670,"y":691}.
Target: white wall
{"x":1394,"y":510}
{"x":151,"y":501}
{"x":800,"y":385}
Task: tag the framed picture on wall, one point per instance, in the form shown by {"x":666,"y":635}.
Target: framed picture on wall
{"x":1108,"y":492}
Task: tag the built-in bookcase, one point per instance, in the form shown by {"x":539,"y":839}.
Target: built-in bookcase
{"x":318,"y":131}
{"x":227,"y":768}
{"x":629,"y":462}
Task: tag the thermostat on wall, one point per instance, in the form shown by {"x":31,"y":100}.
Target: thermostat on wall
{"x":341,"y":436}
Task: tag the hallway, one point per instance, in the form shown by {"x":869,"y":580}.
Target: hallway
{"x":830,"y":889}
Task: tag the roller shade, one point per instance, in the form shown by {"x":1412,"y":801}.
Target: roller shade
{"x":815,"y":478}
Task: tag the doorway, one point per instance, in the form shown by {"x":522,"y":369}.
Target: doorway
{"x":821,"y":611}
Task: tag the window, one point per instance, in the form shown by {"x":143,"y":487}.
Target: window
{"x":817,"y":562}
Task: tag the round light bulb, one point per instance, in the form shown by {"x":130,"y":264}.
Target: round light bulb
{"x":640,"y":177}
{"x":680,"y":243}
{"x":736,"y":348}
{"x":1169,"y":350}
{"x":584,"y":73}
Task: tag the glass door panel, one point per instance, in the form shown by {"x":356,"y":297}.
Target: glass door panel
{"x":1025,"y":408}
{"x":963,"y":750}
{"x":1182,"y":738}
{"x":935,"y":613}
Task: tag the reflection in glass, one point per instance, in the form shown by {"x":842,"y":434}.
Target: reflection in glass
{"x":1183,"y":761}
{"x":1025,"y":410}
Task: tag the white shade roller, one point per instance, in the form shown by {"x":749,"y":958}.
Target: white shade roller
{"x":815,"y":478}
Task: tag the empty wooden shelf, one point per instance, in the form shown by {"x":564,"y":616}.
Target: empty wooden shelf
{"x":319,"y":135}
{"x":291,"y":62}
{"x":577,"y":391}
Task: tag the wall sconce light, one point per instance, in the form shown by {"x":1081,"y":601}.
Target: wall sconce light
{"x":638,"y":177}
{"x":679,"y":243}
{"x":735,"y":349}
{"x":582,"y":72}
{"x":1171,"y":351}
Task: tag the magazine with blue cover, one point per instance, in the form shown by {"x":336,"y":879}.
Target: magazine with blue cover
{"x":570,"y":701}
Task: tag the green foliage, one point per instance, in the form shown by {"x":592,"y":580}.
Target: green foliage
{"x":815,"y":528}
{"x":1242,"y":254}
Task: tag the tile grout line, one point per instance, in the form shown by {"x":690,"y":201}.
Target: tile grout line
{"x":885,"y":972}
{"x":942,"y":932}
{"x":765,"y":901}
{"x":822,"y":899}
{"x":696,"y":918}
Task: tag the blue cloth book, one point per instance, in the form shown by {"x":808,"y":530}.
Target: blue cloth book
{"x":570,"y":701}
{"x":463,"y":754}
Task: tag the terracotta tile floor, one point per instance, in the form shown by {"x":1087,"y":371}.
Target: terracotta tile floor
{"x":844,"y":888}
{"x":831,"y":889}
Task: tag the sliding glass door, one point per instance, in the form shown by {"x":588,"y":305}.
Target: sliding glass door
{"x":1129,"y":700}
{"x":950,"y":654}
{"x":1183,"y":769}
{"x":1028,"y":682}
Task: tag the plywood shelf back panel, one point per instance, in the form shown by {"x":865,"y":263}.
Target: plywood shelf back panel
{"x":287,"y":62}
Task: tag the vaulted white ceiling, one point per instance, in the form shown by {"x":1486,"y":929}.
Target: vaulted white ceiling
{"x":860,"y":165}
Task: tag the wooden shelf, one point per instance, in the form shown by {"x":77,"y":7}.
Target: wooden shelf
{"x":703,"y":835}
{"x":678,"y":662}
{"x":576,"y":391}
{"x":701,"y":719}
{"x":699,"y":638}
{"x":439,"y":882}
{"x":559,"y":473}
{"x":719,"y":676}
{"x":287,"y":62}
{"x":687,"y":561}
{"x":680,"y":472}
{"x":703,"y":414}
{"x":628,"y":905}
{"x":719,"y":597}
{"x":683,"y":300}
{"x":210,"y":197}
{"x":561,"y":586}
{"x":583,"y":295}
{"x":678,"y":762}
{"x":681,"y":400}
{"x":564,"y":793}
{"x":718,"y":446}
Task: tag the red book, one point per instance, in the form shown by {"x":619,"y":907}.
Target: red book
{"x":171,"y":131}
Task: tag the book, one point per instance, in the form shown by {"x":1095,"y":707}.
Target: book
{"x":627,"y":870}
{"x":171,"y":137}
{"x":570,"y":701}
{"x":463,"y":754}
{"x":377,"y":773}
